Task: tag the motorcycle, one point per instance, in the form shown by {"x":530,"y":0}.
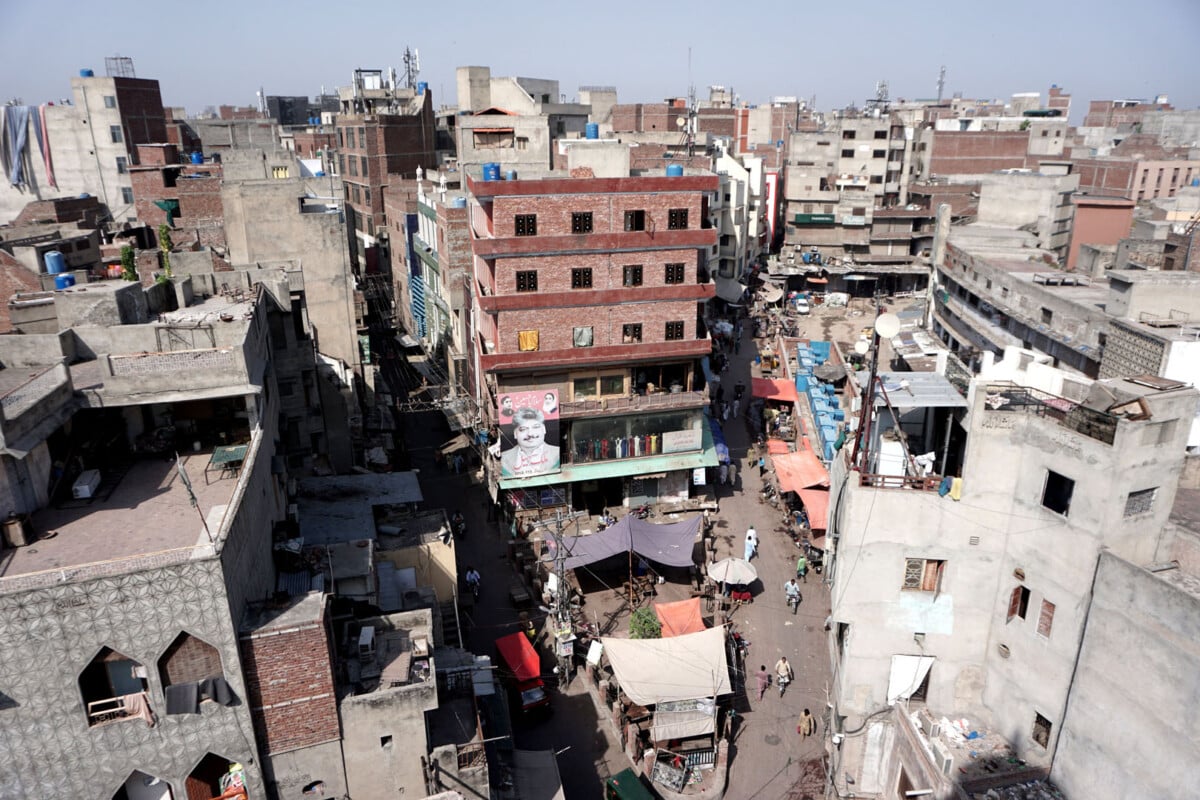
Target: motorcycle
{"x":793,"y":601}
{"x":643,"y":511}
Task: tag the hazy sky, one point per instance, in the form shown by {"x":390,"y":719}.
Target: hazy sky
{"x":222,"y":51}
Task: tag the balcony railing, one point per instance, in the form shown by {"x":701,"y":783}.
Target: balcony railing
{"x":928,"y":483}
{"x":1010,"y":398}
{"x":638,"y":402}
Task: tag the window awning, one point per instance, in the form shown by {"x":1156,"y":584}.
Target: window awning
{"x":907,"y":674}
{"x":816,"y":505}
{"x":730,"y":290}
{"x":774,"y":389}
{"x":799,"y":470}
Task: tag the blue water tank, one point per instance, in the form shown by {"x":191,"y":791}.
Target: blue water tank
{"x":55,"y":263}
{"x":197,"y":157}
{"x":674,"y":170}
{"x":1195,"y":181}
{"x":86,"y":73}
{"x":491,"y":171}
{"x":591,"y":130}
{"x":458,"y":202}
{"x":806,"y":258}
{"x":510,"y":175}
{"x":422,"y":87}
{"x":64,"y":281}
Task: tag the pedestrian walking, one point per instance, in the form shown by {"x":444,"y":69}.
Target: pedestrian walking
{"x":762,"y":466}
{"x":737,"y":346}
{"x":807,"y":725}
{"x":725,"y":410}
{"x":720,"y":394}
{"x":733,"y":473}
{"x":764,"y":680}
{"x":802,"y":568}
{"x":783,"y":674}
{"x":736,"y":405}
{"x":722,"y":474}
{"x":751,"y":549}
{"x":739,"y":389}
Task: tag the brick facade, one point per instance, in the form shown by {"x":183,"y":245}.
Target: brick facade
{"x":977,"y":152}
{"x":189,"y":658}
{"x":289,"y":683}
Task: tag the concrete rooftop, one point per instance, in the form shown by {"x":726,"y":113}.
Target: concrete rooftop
{"x":147,"y":514}
{"x":339,"y":508}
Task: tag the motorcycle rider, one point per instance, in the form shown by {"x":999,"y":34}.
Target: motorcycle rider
{"x":792,"y":590}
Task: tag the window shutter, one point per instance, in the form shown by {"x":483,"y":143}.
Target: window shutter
{"x":1045,"y":619}
{"x":1014,"y":603}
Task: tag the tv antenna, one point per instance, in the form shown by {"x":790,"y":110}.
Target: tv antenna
{"x":412,"y":67}
{"x":941,"y":84}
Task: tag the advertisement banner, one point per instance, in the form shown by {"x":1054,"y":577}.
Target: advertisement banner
{"x":528,"y":433}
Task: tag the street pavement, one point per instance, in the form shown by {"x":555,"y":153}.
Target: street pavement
{"x":769,"y":759}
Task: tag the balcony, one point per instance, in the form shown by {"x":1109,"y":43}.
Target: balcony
{"x":622,"y":405}
{"x":1009,"y":398}
{"x":481,"y":223}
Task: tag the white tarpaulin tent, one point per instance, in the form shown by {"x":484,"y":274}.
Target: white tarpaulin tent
{"x":684,"y":667}
{"x":684,"y":718}
{"x":907,"y":674}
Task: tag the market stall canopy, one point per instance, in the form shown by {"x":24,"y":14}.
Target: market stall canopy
{"x":680,"y":617}
{"x":520,"y":657}
{"x":776,"y":446}
{"x":829,"y":372}
{"x":684,"y":718}
{"x":799,"y":470}
{"x":737,"y":571}
{"x":771,"y":293}
{"x":816,"y":505}
{"x":719,"y":440}
{"x":777,"y":389}
{"x":813,"y":279}
{"x":670,"y":544}
{"x":685,"y":667}
{"x":730,"y":290}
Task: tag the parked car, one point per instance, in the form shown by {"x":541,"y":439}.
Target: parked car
{"x":801,"y":305}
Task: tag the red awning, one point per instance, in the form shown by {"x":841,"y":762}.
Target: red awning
{"x":680,"y":618}
{"x":778,"y":389}
{"x":799,"y":470}
{"x":816,"y":505}
{"x":777,"y":446}
{"x":520,"y":656}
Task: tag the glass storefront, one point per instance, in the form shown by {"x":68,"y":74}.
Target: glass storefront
{"x":634,"y":437}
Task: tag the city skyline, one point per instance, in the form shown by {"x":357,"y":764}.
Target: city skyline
{"x":289,"y":50}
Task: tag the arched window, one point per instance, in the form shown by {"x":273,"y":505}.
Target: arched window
{"x":191,"y":672}
{"x":215,"y":776}
{"x":141,"y":786}
{"x":114,"y":688}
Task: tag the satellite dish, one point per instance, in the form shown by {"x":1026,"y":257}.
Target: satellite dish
{"x":887,"y":325}
{"x":861,"y":347}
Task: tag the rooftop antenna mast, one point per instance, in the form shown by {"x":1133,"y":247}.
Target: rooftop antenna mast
{"x":691,"y":110}
{"x":941,"y":84}
{"x":412,"y":67}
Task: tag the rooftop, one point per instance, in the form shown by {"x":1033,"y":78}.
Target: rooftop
{"x":298,"y":610}
{"x":915,"y":390}
{"x":340,"y":508}
{"x":134,"y":520}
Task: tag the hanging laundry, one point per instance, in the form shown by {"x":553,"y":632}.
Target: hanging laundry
{"x":44,"y":144}
{"x":944,"y":486}
{"x":16,"y":141}
{"x":183,"y":698}
{"x":956,"y":489}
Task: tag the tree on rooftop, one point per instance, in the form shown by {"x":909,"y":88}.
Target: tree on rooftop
{"x":128,"y":264}
{"x":165,"y":245}
{"x":644,"y":624}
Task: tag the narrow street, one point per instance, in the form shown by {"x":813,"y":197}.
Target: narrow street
{"x":768,"y":758}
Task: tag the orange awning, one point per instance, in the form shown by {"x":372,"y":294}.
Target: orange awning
{"x":779,"y":389}
{"x":816,"y":505}
{"x":799,"y":470}
{"x":680,"y":618}
{"x":776,"y":446}
{"x":817,"y":280}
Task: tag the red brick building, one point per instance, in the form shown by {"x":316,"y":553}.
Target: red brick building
{"x":592,"y":291}
{"x":1098,"y":220}
{"x":185,"y":196}
{"x":977,"y":152}
{"x":1121,"y":113}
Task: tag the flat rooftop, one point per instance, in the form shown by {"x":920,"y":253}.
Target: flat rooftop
{"x":136,"y":520}
{"x":340,"y":508}
{"x":908,"y":390}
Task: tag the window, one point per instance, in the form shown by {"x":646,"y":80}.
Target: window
{"x":353,"y":166}
{"x":583,"y":387}
{"x":880,"y":134}
{"x":677,"y":219}
{"x":522,"y":142}
{"x":635,"y":220}
{"x":923,"y":575}
{"x":879,"y":154}
{"x":122,"y":165}
{"x":107,"y":683}
{"x":279,"y":172}
{"x":366,"y":197}
{"x":527,"y":341}
{"x":581,"y":278}
{"x":847,"y":134}
{"x":115,"y":132}
{"x":191,"y":660}
{"x":674,"y":331}
{"x":385,"y":741}
{"x":674,"y":273}
{"x":1047,"y":316}
{"x":127,"y":195}
{"x":1045,"y":619}
{"x":612,"y":384}
{"x":848,"y":153}
{"x":357,"y":193}
{"x":1041,"y":730}
{"x":527,"y":280}
{"x":1140,"y":502}
{"x":581,"y":222}
{"x":525,"y":224}
{"x":876,"y":179}
{"x":1056,"y":495}
{"x":362,"y":161}
{"x":632,"y":275}
{"x":1018,"y":603}
{"x":631,"y":333}
{"x":582,"y":337}
{"x":362,"y":137}
{"x":110,"y":101}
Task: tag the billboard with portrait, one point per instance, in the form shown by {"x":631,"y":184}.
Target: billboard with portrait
{"x":528,"y":433}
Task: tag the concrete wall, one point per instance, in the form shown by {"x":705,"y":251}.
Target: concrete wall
{"x":1156,"y":293}
{"x":1130,"y":730}
{"x":535,"y":153}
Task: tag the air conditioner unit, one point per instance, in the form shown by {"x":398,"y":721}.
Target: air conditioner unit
{"x":942,"y":758}
{"x":931,"y":729}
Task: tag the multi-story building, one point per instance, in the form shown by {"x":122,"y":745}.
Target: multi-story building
{"x":945,"y":604}
{"x":590,"y":297}
{"x":1123,"y":115}
{"x":84,"y":146}
{"x":1138,"y":168}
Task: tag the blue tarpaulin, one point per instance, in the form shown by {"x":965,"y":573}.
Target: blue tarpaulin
{"x":719,"y":441}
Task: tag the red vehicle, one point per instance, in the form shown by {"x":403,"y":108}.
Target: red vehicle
{"x":525,"y":667}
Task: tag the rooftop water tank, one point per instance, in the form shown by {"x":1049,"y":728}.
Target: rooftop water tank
{"x":197,"y":158}
{"x":422,"y":87}
{"x":458,"y":202}
{"x":674,"y":170}
{"x":86,"y":73}
{"x":55,"y":263}
{"x":64,"y":281}
{"x":510,"y":175}
{"x":591,"y":131}
{"x":491,"y":171}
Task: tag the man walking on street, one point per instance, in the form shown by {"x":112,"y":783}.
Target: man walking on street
{"x":783,"y":674}
{"x":802,"y":568}
{"x":751,"y":543}
{"x":807,"y":725}
{"x":733,"y":471}
{"x":764,"y":680}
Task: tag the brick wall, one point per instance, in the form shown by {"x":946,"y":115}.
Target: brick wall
{"x":289,"y":684}
{"x":142,"y":116}
{"x":188,"y":659}
{"x":309,"y":142}
{"x":977,"y":152}
{"x":608,"y":211}
{"x":556,"y":325}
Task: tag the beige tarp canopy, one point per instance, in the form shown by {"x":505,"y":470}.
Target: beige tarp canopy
{"x":684,"y":667}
